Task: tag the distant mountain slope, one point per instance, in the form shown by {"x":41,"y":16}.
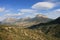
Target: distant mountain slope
{"x":56,"y":21}
{"x":9,"y":21}
{"x":41,"y":18}
{"x":38,"y":18}
{"x":27,"y":21}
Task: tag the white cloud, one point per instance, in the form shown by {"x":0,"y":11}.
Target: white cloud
{"x":13,"y":15}
{"x":57,"y":10}
{"x":54,"y":14}
{"x":27,"y":11}
{"x":7,"y":10}
{"x":2,"y":9}
{"x":53,"y":0}
{"x":2,"y":18}
{"x":43,"y":5}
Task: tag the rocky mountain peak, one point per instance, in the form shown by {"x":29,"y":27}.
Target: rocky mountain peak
{"x":40,"y":15}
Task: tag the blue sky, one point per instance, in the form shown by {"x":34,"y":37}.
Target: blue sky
{"x":29,"y":8}
{"x":18,"y":3}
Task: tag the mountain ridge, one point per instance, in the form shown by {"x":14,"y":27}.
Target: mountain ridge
{"x":41,"y":31}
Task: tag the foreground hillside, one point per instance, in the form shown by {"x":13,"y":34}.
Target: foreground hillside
{"x":13,"y":33}
{"x":16,"y":33}
{"x":42,"y":31}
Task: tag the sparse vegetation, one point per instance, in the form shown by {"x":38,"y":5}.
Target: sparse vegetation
{"x":42,"y":31}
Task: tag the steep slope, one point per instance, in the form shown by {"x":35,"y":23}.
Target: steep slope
{"x":56,"y":21}
{"x":51,"y":29}
{"x":52,"y":22}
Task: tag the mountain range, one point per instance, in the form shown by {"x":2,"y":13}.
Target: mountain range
{"x":49,"y":30}
{"x":27,"y":20}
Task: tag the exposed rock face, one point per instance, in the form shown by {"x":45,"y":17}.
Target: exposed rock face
{"x":40,"y":15}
